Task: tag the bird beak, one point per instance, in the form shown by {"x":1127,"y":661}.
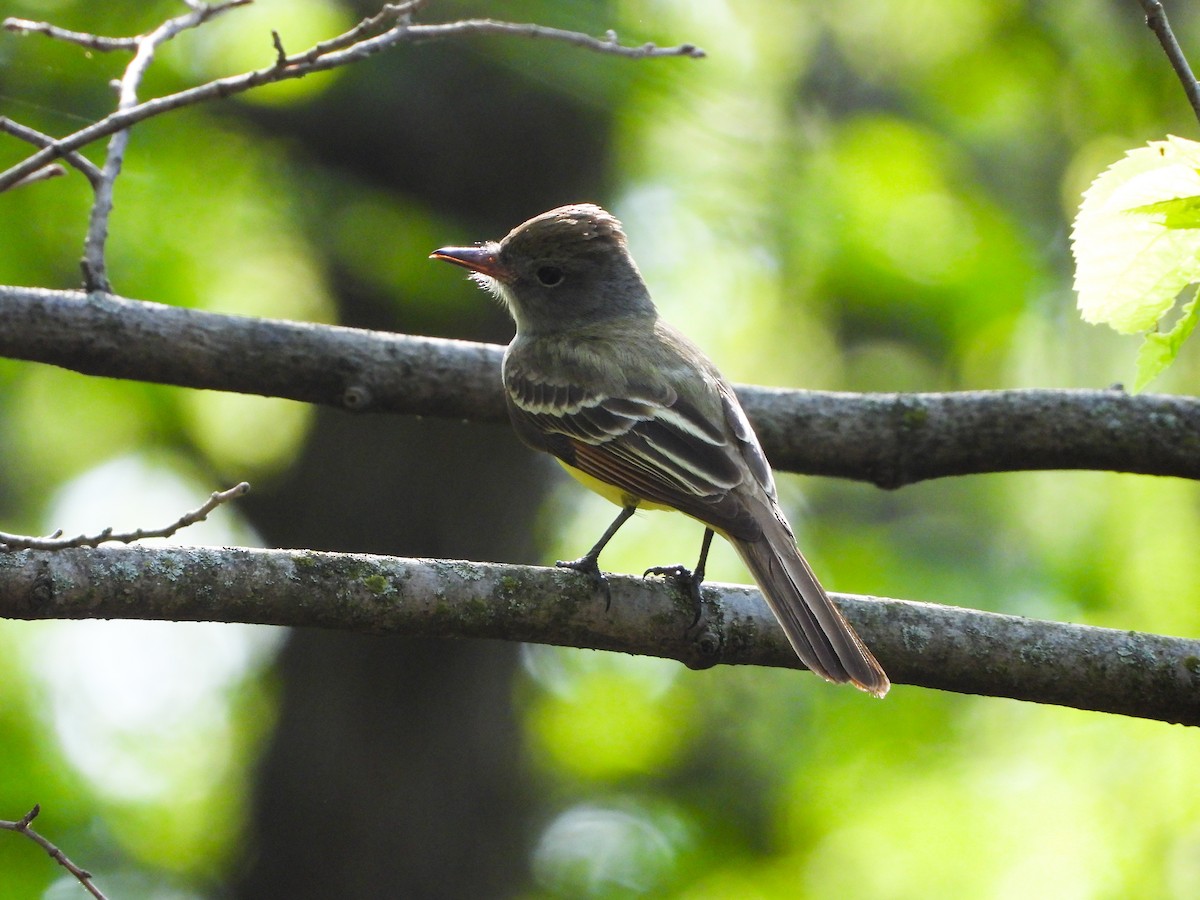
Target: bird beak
{"x":483,"y":259}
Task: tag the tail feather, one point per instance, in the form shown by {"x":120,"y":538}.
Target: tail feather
{"x":820,"y":634}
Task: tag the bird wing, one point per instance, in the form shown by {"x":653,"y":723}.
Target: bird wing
{"x":652,"y":443}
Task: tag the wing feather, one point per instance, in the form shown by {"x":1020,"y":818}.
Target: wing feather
{"x":747,"y":440}
{"x":650,"y":443}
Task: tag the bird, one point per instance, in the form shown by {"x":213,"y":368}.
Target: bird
{"x":633,"y":409}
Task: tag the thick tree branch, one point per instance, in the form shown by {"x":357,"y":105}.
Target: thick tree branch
{"x":939,"y":647}
{"x":886,"y":439}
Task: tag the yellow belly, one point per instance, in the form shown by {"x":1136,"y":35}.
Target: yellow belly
{"x":611,"y":492}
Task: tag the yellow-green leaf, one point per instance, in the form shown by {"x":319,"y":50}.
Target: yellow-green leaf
{"x":1136,"y":238}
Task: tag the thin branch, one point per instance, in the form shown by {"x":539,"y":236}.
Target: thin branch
{"x":55,"y":541}
{"x":394,"y":13}
{"x":31,"y":135}
{"x":606,"y":44}
{"x":44,"y":174}
{"x":1156,"y":19}
{"x":21,"y":826}
{"x":281,"y":57}
{"x":90,"y":41}
{"x":95,"y":275}
{"x":934,"y":646}
{"x":886,"y":439}
{"x":314,"y":60}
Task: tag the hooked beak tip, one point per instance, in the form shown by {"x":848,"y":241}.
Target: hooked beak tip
{"x":482,"y":259}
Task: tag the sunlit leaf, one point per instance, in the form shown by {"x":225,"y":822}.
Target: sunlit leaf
{"x":1135,"y":239}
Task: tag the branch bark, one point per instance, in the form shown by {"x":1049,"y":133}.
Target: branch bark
{"x":946,"y":648}
{"x":887,"y":439}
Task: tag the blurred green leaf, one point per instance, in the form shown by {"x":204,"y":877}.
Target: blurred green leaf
{"x":1159,"y":350}
{"x":1182,"y":212}
{"x":610,"y":717}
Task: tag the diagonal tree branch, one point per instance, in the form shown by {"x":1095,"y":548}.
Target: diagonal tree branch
{"x":887,"y":439}
{"x":1156,"y":21}
{"x":22,"y":826}
{"x":88,"y":168}
{"x":933,"y":646}
{"x":355,"y":45}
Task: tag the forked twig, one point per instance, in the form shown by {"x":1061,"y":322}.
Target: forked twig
{"x":356,"y":44}
{"x":94,"y":268}
{"x":31,"y":135}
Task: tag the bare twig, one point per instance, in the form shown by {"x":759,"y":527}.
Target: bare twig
{"x":397,"y":13}
{"x":90,"y":41}
{"x":21,"y":826}
{"x":55,"y":541}
{"x":281,"y":56}
{"x":321,"y":58}
{"x":31,"y":135}
{"x":1156,"y":19}
{"x":941,"y":647}
{"x":606,"y":44}
{"x":95,"y":275}
{"x":45,"y":174}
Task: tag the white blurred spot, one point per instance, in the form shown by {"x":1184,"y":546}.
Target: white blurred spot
{"x":560,"y":670}
{"x":142,"y":709}
{"x":591,"y":850}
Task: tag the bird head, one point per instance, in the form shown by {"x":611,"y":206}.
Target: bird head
{"x":559,"y":271}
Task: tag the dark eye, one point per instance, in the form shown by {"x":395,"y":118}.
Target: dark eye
{"x":550,"y":275}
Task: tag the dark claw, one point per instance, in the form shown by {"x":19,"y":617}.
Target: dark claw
{"x":677,"y":572}
{"x":686,"y":579}
{"x":587,"y":565}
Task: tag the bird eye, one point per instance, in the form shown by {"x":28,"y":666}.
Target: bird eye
{"x":550,"y":275}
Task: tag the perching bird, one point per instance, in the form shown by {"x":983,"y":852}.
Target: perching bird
{"x":638,"y":413}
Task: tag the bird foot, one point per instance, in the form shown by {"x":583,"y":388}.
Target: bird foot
{"x":688,"y":580}
{"x":587,"y":565}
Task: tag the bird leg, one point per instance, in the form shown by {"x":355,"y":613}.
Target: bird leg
{"x":688,"y":579}
{"x":588,"y":563}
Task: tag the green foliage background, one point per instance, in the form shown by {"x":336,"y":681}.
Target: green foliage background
{"x":870,"y":196}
